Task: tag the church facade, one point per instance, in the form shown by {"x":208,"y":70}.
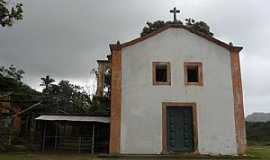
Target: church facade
{"x":176,"y":91}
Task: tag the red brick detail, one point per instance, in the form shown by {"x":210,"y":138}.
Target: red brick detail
{"x":100,"y":79}
{"x":238,"y":103}
{"x":115,"y":128}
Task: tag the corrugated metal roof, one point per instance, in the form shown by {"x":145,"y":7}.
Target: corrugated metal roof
{"x":74,"y":118}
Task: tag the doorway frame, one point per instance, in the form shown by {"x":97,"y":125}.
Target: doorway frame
{"x":165,"y":105}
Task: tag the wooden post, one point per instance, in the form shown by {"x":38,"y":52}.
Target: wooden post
{"x":64,"y":129}
{"x":93,"y":139}
{"x":44,"y":136}
{"x":55,"y":138}
{"x":80,"y":141}
{"x":9,"y":140}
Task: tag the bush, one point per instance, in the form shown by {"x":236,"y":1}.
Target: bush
{"x":258,"y":133}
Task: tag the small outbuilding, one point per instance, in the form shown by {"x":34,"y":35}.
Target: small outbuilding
{"x":78,"y":133}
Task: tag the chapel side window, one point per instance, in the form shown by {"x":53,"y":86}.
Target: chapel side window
{"x":193,"y":73}
{"x":161,"y":73}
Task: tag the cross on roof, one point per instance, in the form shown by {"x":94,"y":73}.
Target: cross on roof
{"x":174,"y":11}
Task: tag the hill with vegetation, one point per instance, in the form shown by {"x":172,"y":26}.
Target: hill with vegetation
{"x":12,"y":86}
{"x":258,"y":117}
{"x":10,"y":81}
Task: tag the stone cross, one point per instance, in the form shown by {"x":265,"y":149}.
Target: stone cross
{"x":174,"y":11}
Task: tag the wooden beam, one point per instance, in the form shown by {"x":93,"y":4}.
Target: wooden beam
{"x":44,"y":136}
{"x":55,"y":138}
{"x":93,"y":139}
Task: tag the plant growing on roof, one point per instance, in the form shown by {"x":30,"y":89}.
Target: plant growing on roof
{"x":9,"y":14}
{"x":198,"y":26}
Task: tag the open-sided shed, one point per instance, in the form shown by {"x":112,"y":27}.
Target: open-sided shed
{"x":80,"y":133}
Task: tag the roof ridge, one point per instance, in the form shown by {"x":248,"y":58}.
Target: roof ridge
{"x":118,"y":46}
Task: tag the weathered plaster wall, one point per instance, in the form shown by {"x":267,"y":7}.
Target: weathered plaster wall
{"x":141,"y":113}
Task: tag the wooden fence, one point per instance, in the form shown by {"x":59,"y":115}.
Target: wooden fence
{"x":73,"y":144}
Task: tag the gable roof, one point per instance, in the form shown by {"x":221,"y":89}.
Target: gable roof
{"x":230,"y":47}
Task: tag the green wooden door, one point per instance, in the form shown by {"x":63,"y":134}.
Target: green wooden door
{"x":179,"y":129}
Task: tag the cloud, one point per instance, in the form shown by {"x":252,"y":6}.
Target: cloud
{"x":64,"y":38}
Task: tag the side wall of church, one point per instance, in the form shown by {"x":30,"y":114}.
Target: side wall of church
{"x":141,"y":112}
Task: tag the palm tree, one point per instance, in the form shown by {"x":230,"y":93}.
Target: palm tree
{"x":46,"y":81}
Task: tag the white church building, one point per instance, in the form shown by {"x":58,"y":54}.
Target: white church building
{"x":176,"y":90}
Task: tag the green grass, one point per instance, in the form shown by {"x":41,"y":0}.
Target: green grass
{"x":261,"y":152}
{"x":9,"y":156}
{"x":45,"y":156}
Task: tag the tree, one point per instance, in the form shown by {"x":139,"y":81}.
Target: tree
{"x":11,"y":84}
{"x":107,"y":82}
{"x":66,"y":97}
{"x":12,"y":72}
{"x":8,"y":14}
{"x":200,"y":26}
{"x":72,"y":98}
{"x":46,"y":81}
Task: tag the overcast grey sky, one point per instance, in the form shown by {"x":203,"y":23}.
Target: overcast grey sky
{"x":63,"y":38}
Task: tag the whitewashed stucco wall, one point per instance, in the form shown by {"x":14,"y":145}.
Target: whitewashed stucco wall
{"x":141,"y":115}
